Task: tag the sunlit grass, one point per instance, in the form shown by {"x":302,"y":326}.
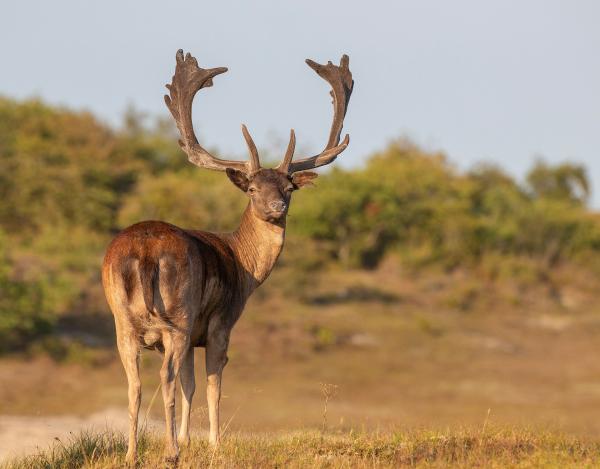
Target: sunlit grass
{"x":464,"y":448}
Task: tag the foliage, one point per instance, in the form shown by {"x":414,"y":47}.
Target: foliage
{"x":415,"y":203}
{"x":63,"y":176}
{"x":58,"y":166}
{"x":68,"y":182}
{"x":22,"y":316}
{"x":400,"y":196}
{"x":186,"y":198}
{"x":566,"y":181}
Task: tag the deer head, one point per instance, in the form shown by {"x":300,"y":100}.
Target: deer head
{"x":269,"y":190}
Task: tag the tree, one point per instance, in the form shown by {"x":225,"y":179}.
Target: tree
{"x":565,"y":181}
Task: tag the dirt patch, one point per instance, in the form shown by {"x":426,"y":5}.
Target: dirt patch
{"x":21,"y":435}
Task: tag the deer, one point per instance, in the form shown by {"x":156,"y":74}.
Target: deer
{"x":172,"y":289}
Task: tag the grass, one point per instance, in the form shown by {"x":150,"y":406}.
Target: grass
{"x":507,"y":447}
{"x":424,"y":360}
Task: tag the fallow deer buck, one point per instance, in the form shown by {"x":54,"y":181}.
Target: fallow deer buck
{"x":173,"y":289}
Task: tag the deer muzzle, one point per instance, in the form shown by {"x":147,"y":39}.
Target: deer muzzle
{"x":277,"y":206}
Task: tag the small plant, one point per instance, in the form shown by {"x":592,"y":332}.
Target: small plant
{"x":323,"y":337}
{"x":329,"y":391}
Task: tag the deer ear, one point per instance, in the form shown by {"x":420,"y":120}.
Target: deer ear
{"x":239,"y":178}
{"x":303,"y":178}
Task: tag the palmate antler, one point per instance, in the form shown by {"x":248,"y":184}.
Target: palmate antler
{"x":189,"y":78}
{"x":340,"y":79}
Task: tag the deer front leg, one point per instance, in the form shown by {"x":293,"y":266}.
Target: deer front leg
{"x":216,"y":359}
{"x":176,"y":346}
{"x":188,"y":386}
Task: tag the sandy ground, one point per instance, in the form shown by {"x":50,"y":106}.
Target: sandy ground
{"x":21,"y":435}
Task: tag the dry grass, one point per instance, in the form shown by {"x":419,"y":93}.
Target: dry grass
{"x":497,"y":448}
{"x":432,"y":356}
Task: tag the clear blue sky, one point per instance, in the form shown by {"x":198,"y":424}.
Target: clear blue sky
{"x":501,"y":81}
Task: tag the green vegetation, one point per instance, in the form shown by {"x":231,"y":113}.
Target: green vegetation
{"x":69,"y":182}
{"x":21,"y":310}
{"x":417,"y":204}
{"x":494,"y":449}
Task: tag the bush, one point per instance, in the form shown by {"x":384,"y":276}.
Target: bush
{"x":22,"y":316}
{"x":190,"y":198}
{"x":415,"y":203}
{"x":68,"y":182}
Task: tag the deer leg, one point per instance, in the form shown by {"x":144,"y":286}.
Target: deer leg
{"x":175,"y":346}
{"x":216,"y":359}
{"x":188,"y":386}
{"x":130,"y":354}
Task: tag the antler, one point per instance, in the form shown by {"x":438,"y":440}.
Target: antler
{"x":189,"y":78}
{"x":340,"y":79}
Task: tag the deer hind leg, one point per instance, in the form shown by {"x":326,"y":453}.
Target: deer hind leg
{"x":216,"y":359}
{"x":176,"y":346}
{"x":130,"y":354}
{"x":188,"y":386}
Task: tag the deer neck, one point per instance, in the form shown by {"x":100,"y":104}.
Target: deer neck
{"x":257,"y":244}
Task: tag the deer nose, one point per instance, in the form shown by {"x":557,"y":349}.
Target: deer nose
{"x":277,"y":205}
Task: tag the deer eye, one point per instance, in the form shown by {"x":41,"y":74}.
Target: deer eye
{"x":289,"y":189}
{"x":252,"y":190}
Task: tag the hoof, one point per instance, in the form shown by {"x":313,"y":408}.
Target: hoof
{"x":131,"y":460}
{"x":172,"y":460}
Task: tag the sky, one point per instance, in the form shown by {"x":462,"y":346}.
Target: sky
{"x":496,"y":81}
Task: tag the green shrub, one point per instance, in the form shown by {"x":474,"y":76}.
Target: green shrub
{"x":22,"y":316}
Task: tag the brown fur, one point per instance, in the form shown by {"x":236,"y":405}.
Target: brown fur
{"x":172,"y":289}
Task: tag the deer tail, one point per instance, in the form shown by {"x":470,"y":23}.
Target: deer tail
{"x":148,"y":278}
